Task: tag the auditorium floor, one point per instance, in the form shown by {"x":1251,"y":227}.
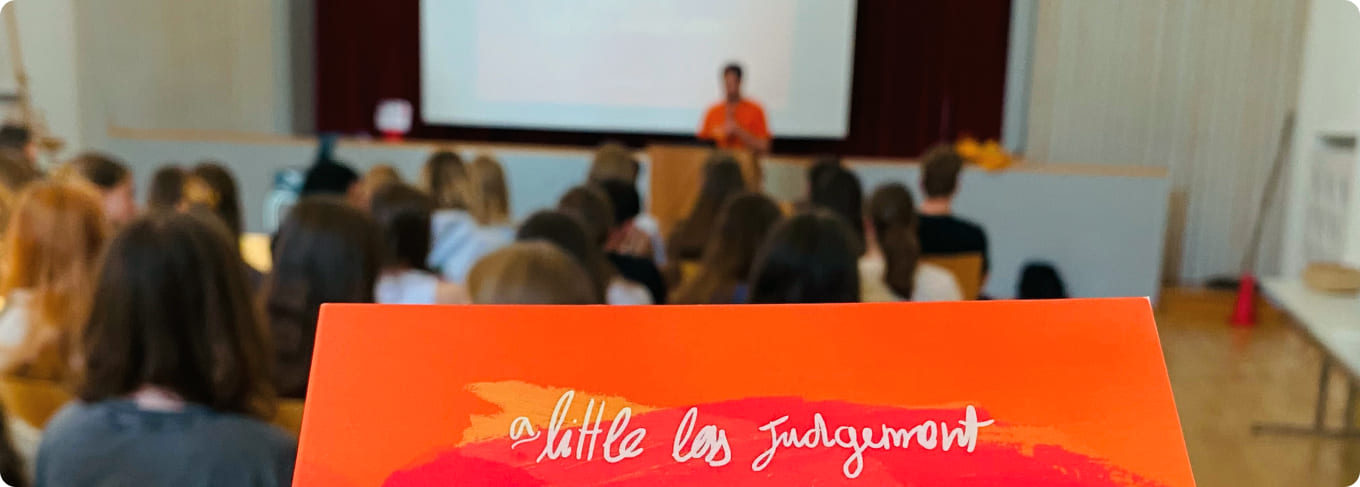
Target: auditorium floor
{"x":1225,"y":379}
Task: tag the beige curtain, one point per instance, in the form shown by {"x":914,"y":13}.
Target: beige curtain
{"x":1198,"y":86}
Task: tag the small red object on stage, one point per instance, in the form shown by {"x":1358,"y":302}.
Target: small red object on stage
{"x":1244,"y":313}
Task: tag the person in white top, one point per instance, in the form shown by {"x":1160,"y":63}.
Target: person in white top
{"x":890,"y":269}
{"x":459,"y":237}
{"x":403,"y":217}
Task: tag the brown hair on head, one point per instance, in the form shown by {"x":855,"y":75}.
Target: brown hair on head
{"x":52,"y":247}
{"x":892,"y":214}
{"x":167,"y":188}
{"x":808,"y":258}
{"x":226,"y":201}
{"x":742,"y":228}
{"x":172,"y":308}
{"x":940,"y":168}
{"x":403,"y":217}
{"x":592,"y":206}
{"x":326,"y":251}
{"x":530,"y":273}
{"x":614,"y":160}
{"x":568,"y":232}
{"x":102,"y":170}
{"x":722,"y":179}
{"x":445,"y":178}
{"x":491,"y":202}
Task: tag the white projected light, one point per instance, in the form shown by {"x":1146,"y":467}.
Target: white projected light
{"x":632,"y":65}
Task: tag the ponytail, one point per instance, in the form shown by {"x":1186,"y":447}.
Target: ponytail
{"x":892,"y":212}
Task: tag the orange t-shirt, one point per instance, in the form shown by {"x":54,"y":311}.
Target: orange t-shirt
{"x":748,"y":115}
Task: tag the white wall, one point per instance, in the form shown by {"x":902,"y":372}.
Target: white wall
{"x":1328,"y":100}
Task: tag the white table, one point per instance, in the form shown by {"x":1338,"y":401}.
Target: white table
{"x":1332,"y":323}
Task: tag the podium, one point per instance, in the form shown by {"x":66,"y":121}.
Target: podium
{"x":677,"y":173}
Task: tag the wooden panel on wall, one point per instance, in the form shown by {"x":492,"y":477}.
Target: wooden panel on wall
{"x":1200,"y":87}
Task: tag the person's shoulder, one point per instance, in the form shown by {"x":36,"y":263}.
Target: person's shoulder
{"x":966,"y":223}
{"x":74,"y":416}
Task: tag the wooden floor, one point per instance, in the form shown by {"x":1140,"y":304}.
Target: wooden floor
{"x":1227,"y":378}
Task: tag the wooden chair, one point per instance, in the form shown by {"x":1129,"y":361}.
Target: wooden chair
{"x":33,"y":401}
{"x":289,"y":416}
{"x":966,"y":268}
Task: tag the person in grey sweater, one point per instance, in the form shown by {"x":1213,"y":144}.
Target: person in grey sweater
{"x":176,"y":370}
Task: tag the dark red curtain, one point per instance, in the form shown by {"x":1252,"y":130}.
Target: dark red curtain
{"x":924,"y":71}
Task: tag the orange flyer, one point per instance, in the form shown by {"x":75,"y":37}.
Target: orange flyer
{"x":1052,"y":393}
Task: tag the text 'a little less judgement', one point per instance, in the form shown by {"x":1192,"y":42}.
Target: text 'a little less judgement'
{"x":709,"y":444}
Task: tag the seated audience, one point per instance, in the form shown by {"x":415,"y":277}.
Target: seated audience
{"x":457,"y":239}
{"x":722,"y":179}
{"x":114,"y":182}
{"x":175,"y":384}
{"x":745,"y":222}
{"x":808,"y":258}
{"x":490,"y":205}
{"x":568,"y":233}
{"x":52,"y":247}
{"x":530,"y":273}
{"x":838,"y":190}
{"x":325,"y":252}
{"x":941,"y":232}
{"x":890,"y":269}
{"x":595,"y":209}
{"x":329,"y":177}
{"x":403,"y":217}
{"x":167,"y":189}
{"x":641,"y":237}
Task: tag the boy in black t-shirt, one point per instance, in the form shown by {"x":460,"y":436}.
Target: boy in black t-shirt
{"x":941,"y":232}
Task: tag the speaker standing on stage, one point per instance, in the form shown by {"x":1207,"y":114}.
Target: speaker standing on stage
{"x":736,"y":122}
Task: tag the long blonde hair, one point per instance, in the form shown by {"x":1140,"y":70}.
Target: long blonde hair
{"x":52,"y":246}
{"x":490,"y":203}
{"x":445,"y":178}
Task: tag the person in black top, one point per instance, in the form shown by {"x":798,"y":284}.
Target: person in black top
{"x":623,"y":196}
{"x":593,"y":206}
{"x":941,"y":232}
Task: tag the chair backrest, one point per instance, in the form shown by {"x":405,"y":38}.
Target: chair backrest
{"x":967,"y":270}
{"x":289,"y":416}
{"x":33,"y":401}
